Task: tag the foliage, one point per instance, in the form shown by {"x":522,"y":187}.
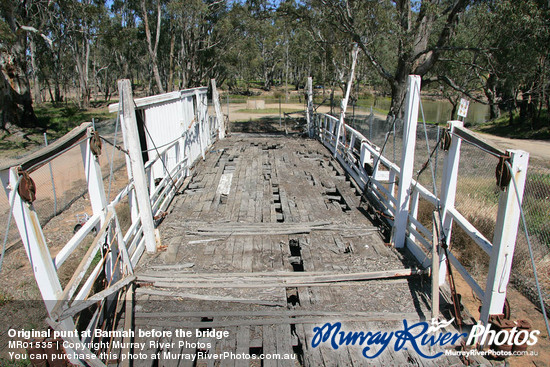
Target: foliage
{"x":496,"y":52}
{"x":516,"y":127}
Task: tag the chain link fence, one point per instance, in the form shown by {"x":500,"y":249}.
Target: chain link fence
{"x":477,"y":198}
{"x":62,"y":181}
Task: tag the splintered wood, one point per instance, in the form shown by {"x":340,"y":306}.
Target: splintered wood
{"x":266,"y":242}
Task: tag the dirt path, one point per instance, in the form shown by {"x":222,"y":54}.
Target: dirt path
{"x":539,"y":150}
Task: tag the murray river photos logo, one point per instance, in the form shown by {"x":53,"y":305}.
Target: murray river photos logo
{"x":419,"y":336}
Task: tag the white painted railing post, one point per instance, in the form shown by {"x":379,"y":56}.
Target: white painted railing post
{"x":36,"y":248}
{"x":412,"y":101}
{"x":309,"y":112}
{"x":504,"y":240}
{"x":199,"y":123}
{"x":448,"y":192}
{"x":34,"y":242}
{"x":344,"y":104}
{"x":94,"y":178}
{"x":129,"y":127}
{"x":218,"y":108}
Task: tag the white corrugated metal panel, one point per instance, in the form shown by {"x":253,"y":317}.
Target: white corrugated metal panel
{"x":163,"y":125}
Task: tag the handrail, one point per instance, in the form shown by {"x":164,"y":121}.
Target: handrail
{"x":386,"y":196}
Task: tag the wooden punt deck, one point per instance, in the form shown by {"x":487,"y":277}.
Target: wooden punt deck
{"x":267,"y":241}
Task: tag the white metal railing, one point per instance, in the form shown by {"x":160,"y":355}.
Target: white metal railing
{"x":397,"y":196}
{"x":178,"y":131}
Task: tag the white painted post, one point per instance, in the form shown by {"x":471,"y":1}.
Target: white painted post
{"x":94,"y":178}
{"x":504,"y":240}
{"x":129,"y":128}
{"x":412,"y":101}
{"x":448,"y":192}
{"x":218,"y":108}
{"x":344,"y":104}
{"x":96,"y":192}
{"x":199,"y":122}
{"x":309,"y":112}
{"x":34,"y":242}
{"x":36,"y":248}
{"x":132,"y":193}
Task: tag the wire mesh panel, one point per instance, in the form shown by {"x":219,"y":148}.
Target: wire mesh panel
{"x":69,"y":182}
{"x":477,"y":192}
{"x":536,"y":208}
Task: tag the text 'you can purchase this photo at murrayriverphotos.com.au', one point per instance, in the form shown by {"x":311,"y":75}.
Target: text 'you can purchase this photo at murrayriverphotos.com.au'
{"x":145,"y":345}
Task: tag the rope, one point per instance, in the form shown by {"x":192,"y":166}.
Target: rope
{"x":161,"y":146}
{"x":14,"y":191}
{"x":531,"y":255}
{"x":115,"y":146}
{"x":160,"y":158}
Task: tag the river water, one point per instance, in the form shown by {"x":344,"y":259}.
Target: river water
{"x":434,"y":111}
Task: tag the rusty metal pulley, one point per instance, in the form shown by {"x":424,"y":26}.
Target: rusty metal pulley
{"x":27,"y":187}
{"x":502,"y":173}
{"x":445,"y":140}
{"x":95,"y":144}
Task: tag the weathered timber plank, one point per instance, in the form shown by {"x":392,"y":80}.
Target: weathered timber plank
{"x":248,"y":254}
{"x":228,"y":345}
{"x":283,"y":314}
{"x":243,"y":345}
{"x":284,"y":345}
{"x":269,"y":338}
{"x":166,"y":293}
{"x":312,"y":356}
{"x":100,"y":296}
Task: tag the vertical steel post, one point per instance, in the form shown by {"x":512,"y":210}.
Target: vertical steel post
{"x":504,"y":240}
{"x":407,"y":162}
{"x":448,"y":192}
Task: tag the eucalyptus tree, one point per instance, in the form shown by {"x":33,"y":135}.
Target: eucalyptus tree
{"x":416,"y":33}
{"x":202,"y":34}
{"x":17,"y":21}
{"x":519,"y":51}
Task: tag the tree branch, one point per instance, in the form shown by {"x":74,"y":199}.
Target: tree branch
{"x":445,"y":79}
{"x":34,"y":30}
{"x":443,"y":39}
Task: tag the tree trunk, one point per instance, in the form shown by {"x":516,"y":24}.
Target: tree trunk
{"x":171,"y":71}
{"x":34,"y":66}
{"x":490,"y":90}
{"x":15,"y":95}
{"x":153,"y":49}
{"x":398,"y":92}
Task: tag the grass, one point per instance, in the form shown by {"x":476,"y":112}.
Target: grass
{"x":519,"y":129}
{"x":59,"y":120}
{"x":15,"y":363}
{"x":5,"y":298}
{"x":55,"y":121}
{"x":268,"y":110}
